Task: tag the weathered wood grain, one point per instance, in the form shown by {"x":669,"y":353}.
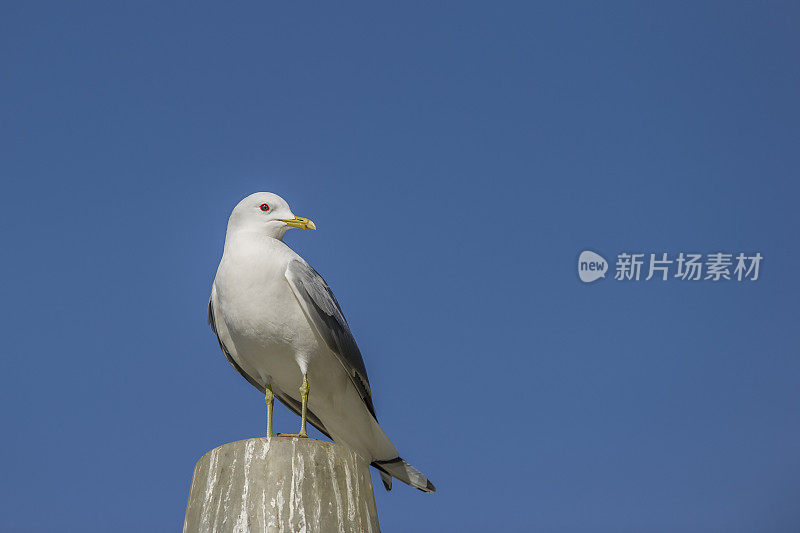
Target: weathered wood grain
{"x":282,"y":484}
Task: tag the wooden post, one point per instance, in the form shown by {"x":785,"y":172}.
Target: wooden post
{"x":282,"y":484}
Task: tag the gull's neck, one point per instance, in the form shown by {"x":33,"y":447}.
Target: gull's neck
{"x":243,"y":237}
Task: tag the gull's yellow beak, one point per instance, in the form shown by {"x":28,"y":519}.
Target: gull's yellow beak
{"x":299,"y":222}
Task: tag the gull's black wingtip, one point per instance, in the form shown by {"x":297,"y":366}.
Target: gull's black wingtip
{"x":400,"y":469}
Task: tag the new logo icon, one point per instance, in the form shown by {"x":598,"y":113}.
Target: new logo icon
{"x":591,"y":266}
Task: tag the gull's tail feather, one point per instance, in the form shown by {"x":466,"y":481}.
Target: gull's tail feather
{"x":403,"y":471}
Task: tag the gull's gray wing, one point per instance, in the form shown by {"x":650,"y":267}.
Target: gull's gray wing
{"x":221,"y":331}
{"x":323,"y":311}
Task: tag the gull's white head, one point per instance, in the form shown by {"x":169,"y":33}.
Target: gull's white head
{"x":266,"y":213}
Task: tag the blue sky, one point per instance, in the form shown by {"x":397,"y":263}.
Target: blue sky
{"x":456,"y":159}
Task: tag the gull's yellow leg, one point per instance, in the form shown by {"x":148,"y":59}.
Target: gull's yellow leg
{"x":269,"y":399}
{"x":305,"y":388}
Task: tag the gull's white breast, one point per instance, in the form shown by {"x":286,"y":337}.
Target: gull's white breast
{"x":268,"y":328}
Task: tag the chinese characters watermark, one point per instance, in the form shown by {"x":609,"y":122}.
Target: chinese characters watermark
{"x":717,"y":266}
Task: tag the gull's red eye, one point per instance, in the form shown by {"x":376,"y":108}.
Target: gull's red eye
{"x":265,"y":207}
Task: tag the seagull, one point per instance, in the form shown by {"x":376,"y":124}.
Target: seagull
{"x":280,"y":326}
